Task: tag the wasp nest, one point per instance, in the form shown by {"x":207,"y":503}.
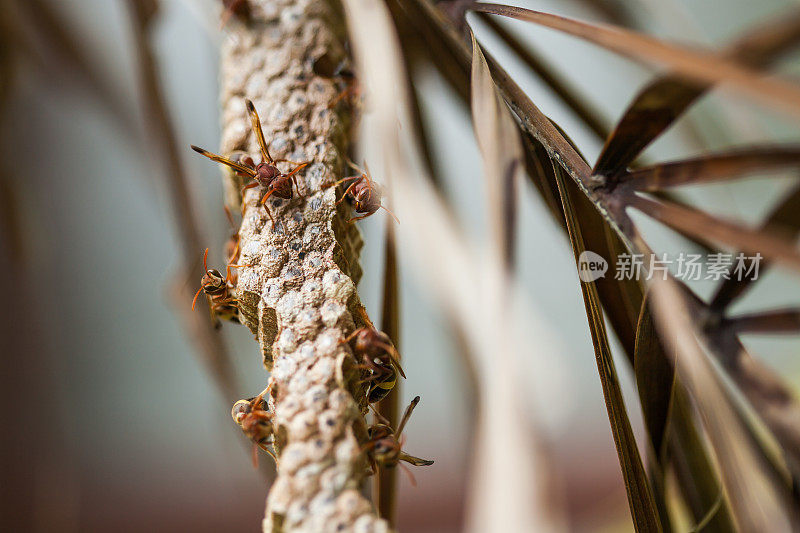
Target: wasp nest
{"x":298,"y":293}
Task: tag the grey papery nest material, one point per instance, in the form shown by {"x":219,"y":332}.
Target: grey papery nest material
{"x":299,"y":295}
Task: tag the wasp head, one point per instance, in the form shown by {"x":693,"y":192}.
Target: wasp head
{"x":384,"y":446}
{"x":371,"y":343}
{"x":213,"y":282}
{"x":366,"y":196}
{"x":252,"y":416}
{"x":240,"y":410}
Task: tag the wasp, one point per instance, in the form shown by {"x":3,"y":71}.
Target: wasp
{"x":364,"y":192}
{"x":375,"y":351}
{"x":253,"y":416}
{"x":218,"y":290}
{"x":384,"y":445}
{"x":265,"y":173}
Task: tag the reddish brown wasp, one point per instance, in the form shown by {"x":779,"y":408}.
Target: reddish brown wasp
{"x":375,"y":351}
{"x":218,"y":291}
{"x":265,"y":173}
{"x":364,"y":192}
{"x":384,"y":447}
{"x":253,"y":416}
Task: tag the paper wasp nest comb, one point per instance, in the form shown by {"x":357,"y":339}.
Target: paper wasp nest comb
{"x":300,"y":290}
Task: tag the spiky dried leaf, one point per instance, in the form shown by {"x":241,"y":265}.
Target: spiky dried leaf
{"x":501,"y":149}
{"x":640,"y":497}
{"x":663,"y":100}
{"x":654,"y":369}
{"x":759,"y":499}
{"x":712,"y":167}
{"x":785,"y":216}
{"x":694,"y":222}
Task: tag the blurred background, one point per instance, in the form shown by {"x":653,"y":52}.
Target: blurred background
{"x":110,"y":421}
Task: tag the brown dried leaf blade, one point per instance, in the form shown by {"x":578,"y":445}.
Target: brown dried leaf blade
{"x":501,"y":149}
{"x":786,"y":217}
{"x":640,"y":497}
{"x":654,"y":369}
{"x":701,"y":66}
{"x":665,"y":99}
{"x":386,"y":481}
{"x":560,"y":86}
{"x":777,"y":321}
{"x":702,"y":225}
{"x":713,"y":167}
{"x":653,"y":110}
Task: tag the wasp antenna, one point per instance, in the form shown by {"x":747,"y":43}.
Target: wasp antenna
{"x":248,"y":186}
{"x":362,"y":312}
{"x":205,"y":260}
{"x":352,"y":335}
{"x":366,"y":172}
{"x":411,"y":477}
{"x":353,"y":165}
{"x":393,"y":215}
{"x":194,"y":300}
{"x":297,"y":169}
{"x":393,"y":354}
{"x":287,"y":161}
{"x":335,"y":183}
{"x":347,"y":191}
{"x":362,"y":217}
{"x":258,"y":398}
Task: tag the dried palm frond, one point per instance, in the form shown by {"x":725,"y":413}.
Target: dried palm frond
{"x":613,"y":190}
